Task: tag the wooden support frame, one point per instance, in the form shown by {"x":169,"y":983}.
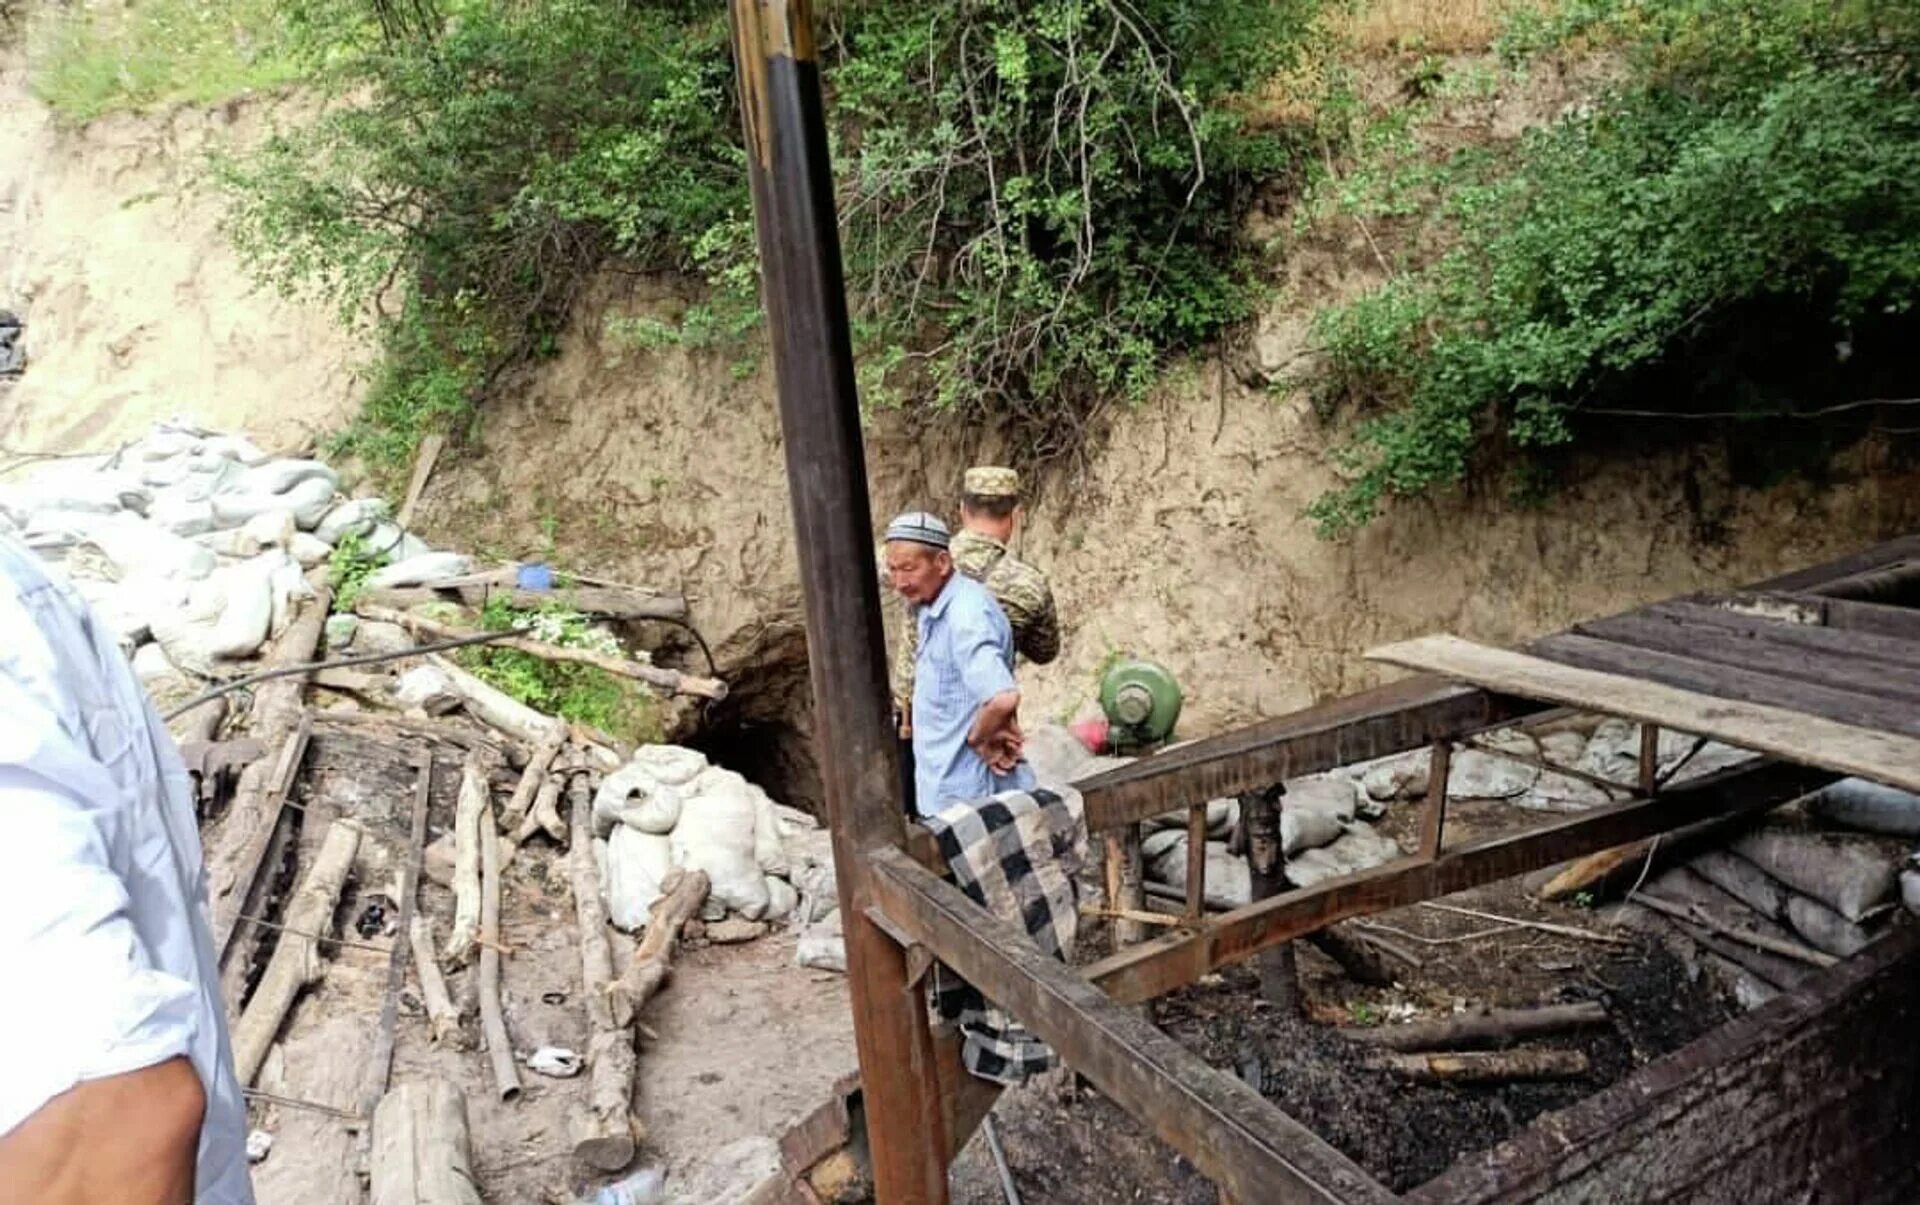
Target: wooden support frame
{"x":1156,"y":967}
{"x":1252,"y":1149}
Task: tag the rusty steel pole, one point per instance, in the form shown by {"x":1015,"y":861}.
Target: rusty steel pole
{"x":804,"y":294}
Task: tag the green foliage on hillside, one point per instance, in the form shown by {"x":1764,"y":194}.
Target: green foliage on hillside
{"x":1755,"y":165}
{"x":1040,"y":199}
{"x":91,"y":59}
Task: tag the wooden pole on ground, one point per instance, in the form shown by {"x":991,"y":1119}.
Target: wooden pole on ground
{"x":421,"y":1151}
{"x":804,"y":293}
{"x":471,"y":807}
{"x":492,"y":1022}
{"x":296,"y":960}
{"x":602,"y":1127}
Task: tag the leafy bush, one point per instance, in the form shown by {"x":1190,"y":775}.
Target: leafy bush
{"x":349,"y":566}
{"x":580,"y":693}
{"x":91,"y":59}
{"x":1760,"y":155}
{"x":1040,"y":199}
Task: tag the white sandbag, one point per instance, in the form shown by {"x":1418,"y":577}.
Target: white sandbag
{"x":140,"y":549}
{"x":782,"y":900}
{"x":1851,"y":875}
{"x":357,"y":517}
{"x":309,"y":550}
{"x":282,"y":476}
{"x":225,"y":617}
{"x":1156,"y":845}
{"x":767,"y":851}
{"x":1870,"y":807}
{"x":1229,"y":882}
{"x":1402,"y":776}
{"x":1613,"y":752}
{"x":631,"y":796}
{"x":160,"y":474}
{"x":289,"y":586}
{"x":211,"y":477}
{"x":421,"y":570}
{"x":390,"y":542}
{"x":424,"y":688}
{"x":1334,"y":795}
{"x":308,"y":499}
{"x":1303,"y":829}
{"x":1910,"y":887}
{"x":1359,"y":848}
{"x":128,"y":606}
{"x":164,"y":444}
{"x":811,"y":856}
{"x":637,"y":863}
{"x":1220,"y":816}
{"x":270,"y":529}
{"x":150,"y":665}
{"x":1824,"y":928}
{"x":183,"y":516}
{"x":792,"y":821}
{"x":236,"y":448}
{"x":674,"y":765}
{"x":715,"y":834}
{"x":823,"y":945}
{"x":1743,"y":881}
{"x":1564,"y":748}
{"x":1055,"y":754}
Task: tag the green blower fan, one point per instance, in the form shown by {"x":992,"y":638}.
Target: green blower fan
{"x":1142,"y":702}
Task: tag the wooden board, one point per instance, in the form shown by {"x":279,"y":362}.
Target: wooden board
{"x":1722,"y":681}
{"x":1812,"y":740}
{"x":1835,"y":640}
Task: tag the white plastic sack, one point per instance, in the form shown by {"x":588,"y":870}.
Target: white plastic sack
{"x":309,"y":550}
{"x":421,"y":570}
{"x":389,"y":541}
{"x":225,"y":616}
{"x":823,"y":946}
{"x":674,"y":765}
{"x":716,"y":834}
{"x":767,"y":851}
{"x":633,"y":797}
{"x":1229,"y":882}
{"x":811,"y":856}
{"x":1359,"y":848}
{"x":270,"y":529}
{"x":281,"y":476}
{"x":357,"y":517}
{"x":636,"y":864}
{"x":183,"y":516}
{"x":308,"y":499}
{"x":782,"y":900}
{"x":1870,"y":807}
{"x":140,"y":549}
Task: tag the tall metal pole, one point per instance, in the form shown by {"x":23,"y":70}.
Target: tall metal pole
{"x":804,"y":294}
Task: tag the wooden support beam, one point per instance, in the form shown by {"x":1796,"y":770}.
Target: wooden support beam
{"x":1156,"y":967}
{"x":1814,"y":577}
{"x":1197,"y":864}
{"x":1433,"y":815}
{"x":1251,"y":1149}
{"x":1827,"y":637}
{"x":380,"y":1065}
{"x":1815,"y":740}
{"x":1897,"y":623}
{"x":1375,"y":723}
{"x":803,"y":291}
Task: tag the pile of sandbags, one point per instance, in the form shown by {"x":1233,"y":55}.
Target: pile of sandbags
{"x":1608,"y":749}
{"x":1323,"y":832}
{"x":200,"y":541}
{"x":670,"y":807}
{"x":1777,"y":903}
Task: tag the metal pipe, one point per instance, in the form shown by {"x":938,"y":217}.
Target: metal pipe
{"x":804,"y":295}
{"x":1008,"y":1188}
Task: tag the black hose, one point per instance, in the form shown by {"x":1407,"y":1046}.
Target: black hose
{"x":286,"y":671}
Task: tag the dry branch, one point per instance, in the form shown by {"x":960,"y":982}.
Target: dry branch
{"x":296,"y":959}
{"x":499,"y":1048}
{"x":672,"y":681}
{"x":1484,"y":1067}
{"x":421,"y":1151}
{"x":1491,"y":1027}
{"x":466,"y":860}
{"x":442,"y":1017}
{"x":682,"y":893}
{"x":531,"y":780}
{"x":606,"y":1009}
{"x":501,"y":710}
{"x":545,"y":816}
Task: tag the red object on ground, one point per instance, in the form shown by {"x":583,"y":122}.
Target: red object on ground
{"x":1092,"y":732}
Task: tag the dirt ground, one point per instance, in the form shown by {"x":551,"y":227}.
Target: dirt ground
{"x":1080,"y":1149}
{"x":747,"y":1042}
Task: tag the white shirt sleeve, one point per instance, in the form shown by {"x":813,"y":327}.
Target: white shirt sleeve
{"x":83,"y":997}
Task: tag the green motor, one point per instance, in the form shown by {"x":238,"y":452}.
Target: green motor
{"x":1141,"y":701}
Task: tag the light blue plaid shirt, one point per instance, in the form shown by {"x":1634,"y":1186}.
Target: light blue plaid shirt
{"x":966,"y":658}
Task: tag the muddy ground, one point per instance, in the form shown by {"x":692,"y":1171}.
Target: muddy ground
{"x":1077,"y":1148}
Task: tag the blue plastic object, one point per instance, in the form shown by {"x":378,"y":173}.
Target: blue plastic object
{"x":537,"y":576}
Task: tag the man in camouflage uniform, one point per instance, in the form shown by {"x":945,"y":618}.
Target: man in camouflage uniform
{"x":989,"y":512}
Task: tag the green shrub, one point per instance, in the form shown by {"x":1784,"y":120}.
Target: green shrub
{"x":1759,"y":157}
{"x":89,"y":59}
{"x":1040,"y":199}
{"x":581,"y":693}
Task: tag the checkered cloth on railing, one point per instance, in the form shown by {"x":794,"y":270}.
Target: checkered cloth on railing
{"x":1015,"y":854}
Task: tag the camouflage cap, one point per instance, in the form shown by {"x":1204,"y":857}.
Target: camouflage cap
{"x":991,"y":481}
{"x":919,"y":527}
